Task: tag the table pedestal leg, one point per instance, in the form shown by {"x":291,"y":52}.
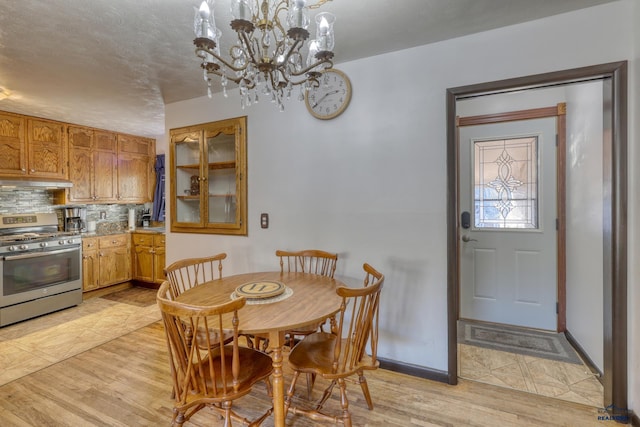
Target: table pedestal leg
{"x":276,"y":341}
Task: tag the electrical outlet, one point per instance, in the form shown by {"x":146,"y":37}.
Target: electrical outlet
{"x":264,"y":220}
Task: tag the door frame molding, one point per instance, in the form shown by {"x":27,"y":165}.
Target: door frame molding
{"x":559,"y":112}
{"x":614,"y":77}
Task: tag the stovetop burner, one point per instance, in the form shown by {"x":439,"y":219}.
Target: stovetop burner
{"x":20,"y":232}
{"x":31,"y":237}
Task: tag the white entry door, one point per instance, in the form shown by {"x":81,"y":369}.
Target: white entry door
{"x":508,"y":189}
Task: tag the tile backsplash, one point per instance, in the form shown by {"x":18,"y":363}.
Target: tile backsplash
{"x":35,"y":200}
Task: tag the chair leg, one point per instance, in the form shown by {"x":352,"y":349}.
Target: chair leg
{"x":311,"y":379}
{"x":178,"y":418}
{"x":292,"y":389}
{"x":365,"y":389}
{"x":326,"y":395}
{"x":344,"y":403}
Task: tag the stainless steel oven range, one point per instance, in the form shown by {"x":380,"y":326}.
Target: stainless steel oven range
{"x":40,"y":267}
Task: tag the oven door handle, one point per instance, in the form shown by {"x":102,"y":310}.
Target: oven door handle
{"x":40,"y":254}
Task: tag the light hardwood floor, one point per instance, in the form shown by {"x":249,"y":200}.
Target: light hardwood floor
{"x":109,"y":369}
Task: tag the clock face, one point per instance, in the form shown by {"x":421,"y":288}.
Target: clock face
{"x":331,"y":97}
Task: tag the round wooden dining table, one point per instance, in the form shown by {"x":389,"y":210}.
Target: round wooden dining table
{"x":308,"y":299}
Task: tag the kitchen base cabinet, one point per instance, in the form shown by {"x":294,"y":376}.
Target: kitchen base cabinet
{"x":148,"y":257}
{"x":106,"y":261}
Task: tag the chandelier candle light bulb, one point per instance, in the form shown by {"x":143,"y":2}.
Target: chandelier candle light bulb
{"x":266,"y":52}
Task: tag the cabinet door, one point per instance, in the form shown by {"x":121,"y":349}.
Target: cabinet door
{"x":186,"y":161}
{"x":12,"y":145}
{"x":90,"y":266}
{"x":46,"y":149}
{"x":90,"y":270}
{"x":81,"y":164}
{"x":143,"y":263}
{"x":105,"y":183}
{"x":208,"y":183}
{"x":115,"y":265}
{"x":159,"y":259}
{"x":135,"y":169}
{"x":143,"y":257}
{"x":134,"y":176}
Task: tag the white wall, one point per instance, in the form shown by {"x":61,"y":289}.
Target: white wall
{"x":371,"y":184}
{"x":584,"y":242}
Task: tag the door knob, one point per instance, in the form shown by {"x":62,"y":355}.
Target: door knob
{"x":466,"y":238}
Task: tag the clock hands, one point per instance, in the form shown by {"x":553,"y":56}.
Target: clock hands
{"x":323,"y":97}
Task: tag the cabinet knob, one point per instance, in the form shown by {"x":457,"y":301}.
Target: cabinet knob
{"x":32,"y":170}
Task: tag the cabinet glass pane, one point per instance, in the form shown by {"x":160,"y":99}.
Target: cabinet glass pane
{"x":187,"y":159}
{"x":221,"y":178}
{"x":222,"y":196}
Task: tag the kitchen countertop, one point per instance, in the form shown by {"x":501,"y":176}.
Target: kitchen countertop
{"x":155,"y":230}
{"x":149,"y":230}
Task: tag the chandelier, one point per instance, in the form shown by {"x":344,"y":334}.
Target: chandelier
{"x":267,"y":60}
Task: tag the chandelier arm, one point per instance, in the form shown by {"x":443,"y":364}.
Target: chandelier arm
{"x":215,"y":55}
{"x":248,"y":48}
{"x":236,"y":80}
{"x":283,"y":5}
{"x":291,"y":50}
{"x":312,"y":66}
{"x":317,"y":5}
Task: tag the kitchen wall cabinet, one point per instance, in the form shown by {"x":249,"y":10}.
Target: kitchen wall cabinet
{"x":13,"y":149}
{"x":148,"y":257}
{"x":104,"y":166}
{"x":208,"y":164}
{"x":106,"y":261}
{"x":32,"y":148}
{"x":92,"y":165}
{"x":136,"y":176}
{"x":46,"y":149}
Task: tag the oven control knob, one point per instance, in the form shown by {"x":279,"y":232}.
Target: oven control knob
{"x":44,"y":244}
{"x":70,"y":241}
{"x":23,"y":247}
{"x":11,"y":248}
{"x":61,"y":242}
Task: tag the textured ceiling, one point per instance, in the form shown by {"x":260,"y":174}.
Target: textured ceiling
{"x":113,"y":64}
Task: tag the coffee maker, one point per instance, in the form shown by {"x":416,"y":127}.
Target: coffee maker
{"x":75,"y":219}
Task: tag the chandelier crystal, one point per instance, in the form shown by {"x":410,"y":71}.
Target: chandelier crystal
{"x":267,"y":60}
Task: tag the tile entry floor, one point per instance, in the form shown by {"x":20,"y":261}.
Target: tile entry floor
{"x":561,"y":380}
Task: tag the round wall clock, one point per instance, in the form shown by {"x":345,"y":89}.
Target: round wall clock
{"x":331,"y":97}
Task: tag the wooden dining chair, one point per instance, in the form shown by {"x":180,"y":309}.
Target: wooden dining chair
{"x":204,"y":373}
{"x":336,"y":357}
{"x":186,"y":273}
{"x":307,"y":261}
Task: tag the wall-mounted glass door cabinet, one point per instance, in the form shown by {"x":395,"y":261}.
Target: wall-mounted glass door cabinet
{"x":208,"y":184}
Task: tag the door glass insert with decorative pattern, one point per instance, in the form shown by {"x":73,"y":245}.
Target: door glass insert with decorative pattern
{"x":506,"y":183}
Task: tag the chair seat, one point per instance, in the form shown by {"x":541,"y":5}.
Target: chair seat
{"x":214,"y":337}
{"x":315,"y":353}
{"x":256,"y":367}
